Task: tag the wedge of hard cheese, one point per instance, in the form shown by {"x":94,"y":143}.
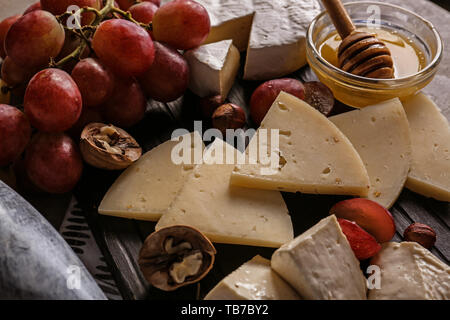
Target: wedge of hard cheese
{"x":254,"y":280}
{"x":321,"y":265}
{"x":430,"y":136}
{"x":314,"y":155}
{"x":147,"y":188}
{"x":380,"y":134}
{"x":213,"y":68}
{"x":410,"y":272}
{"x":228,"y":214}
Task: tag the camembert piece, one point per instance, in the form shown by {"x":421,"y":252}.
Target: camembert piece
{"x":321,"y":265}
{"x":147,"y":188}
{"x":410,"y":272}
{"x":228,"y":214}
{"x":315,"y":156}
{"x":430,"y":138}
{"x":213,"y":68}
{"x":380,"y":134}
{"x":254,"y":280}
{"x":272,"y":32}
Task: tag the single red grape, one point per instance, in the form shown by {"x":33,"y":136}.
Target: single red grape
{"x":4,"y":27}
{"x":183,"y":24}
{"x":34,"y":39}
{"x":15,"y":132}
{"x":58,"y":7}
{"x":14,"y":74}
{"x":126,"y":106}
{"x":35,"y":6}
{"x":143,"y":11}
{"x":94,"y":80}
{"x":52,"y":101}
{"x":53,"y":162}
{"x":126,"y":48}
{"x":168,"y":77}
{"x":264,"y":96}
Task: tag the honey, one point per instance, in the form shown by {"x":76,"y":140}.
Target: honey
{"x":408,"y":59}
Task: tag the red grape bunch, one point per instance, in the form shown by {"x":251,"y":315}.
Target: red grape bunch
{"x":123,"y":52}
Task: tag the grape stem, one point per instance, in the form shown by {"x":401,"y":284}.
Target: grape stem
{"x":85,"y":35}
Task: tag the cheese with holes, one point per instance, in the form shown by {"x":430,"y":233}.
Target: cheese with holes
{"x":213,"y":68}
{"x":430,"y":137}
{"x":321,"y":265}
{"x":145,"y":190}
{"x":380,"y":134}
{"x":272,"y":32}
{"x":228,"y":214}
{"x":314,"y":155}
{"x":410,"y":272}
{"x":254,"y":280}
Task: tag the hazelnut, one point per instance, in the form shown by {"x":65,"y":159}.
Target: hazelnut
{"x":209,"y":104}
{"x":228,"y":116}
{"x":420,"y":233}
{"x":176,"y":256}
{"x":108,"y":147}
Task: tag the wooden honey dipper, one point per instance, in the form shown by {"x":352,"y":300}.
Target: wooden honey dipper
{"x":359,"y":53}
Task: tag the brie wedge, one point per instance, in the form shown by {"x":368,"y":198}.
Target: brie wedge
{"x":430,"y":137}
{"x":314,"y":155}
{"x":410,"y":272}
{"x":380,"y":134}
{"x":254,"y":280}
{"x":146,"y":189}
{"x":228,"y":214}
{"x":272,"y":32}
{"x":213,"y":68}
{"x":321,"y":265}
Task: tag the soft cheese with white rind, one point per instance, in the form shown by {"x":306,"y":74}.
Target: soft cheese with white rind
{"x":430,"y":137}
{"x":315,"y":156}
{"x":410,"y":272}
{"x":147,"y":188}
{"x":321,"y":265}
{"x":380,"y":134}
{"x":277,"y":44}
{"x":228,"y":214}
{"x":254,"y":280}
{"x":272,"y":32}
{"x":213,"y":68}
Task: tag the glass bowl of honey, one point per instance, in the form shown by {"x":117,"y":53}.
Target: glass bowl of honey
{"x":416,"y":48}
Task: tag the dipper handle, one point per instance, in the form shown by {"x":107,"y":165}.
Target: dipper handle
{"x":340,"y":17}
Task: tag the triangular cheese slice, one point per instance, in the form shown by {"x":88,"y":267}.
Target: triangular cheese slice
{"x":254,"y":280}
{"x":430,"y":138}
{"x":321,"y":265}
{"x":380,"y":134}
{"x":314,"y":155}
{"x":228,"y":214}
{"x":213,"y":68}
{"x":147,"y":188}
{"x":410,"y":272}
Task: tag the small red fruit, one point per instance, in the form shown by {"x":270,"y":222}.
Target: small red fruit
{"x":264,"y":96}
{"x":369,"y":215}
{"x":53,"y":162}
{"x":363,"y":244}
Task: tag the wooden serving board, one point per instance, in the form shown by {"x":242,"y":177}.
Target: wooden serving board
{"x":120,"y":239}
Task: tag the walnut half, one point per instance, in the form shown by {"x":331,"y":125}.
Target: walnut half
{"x":108,"y":147}
{"x":176,"y":256}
